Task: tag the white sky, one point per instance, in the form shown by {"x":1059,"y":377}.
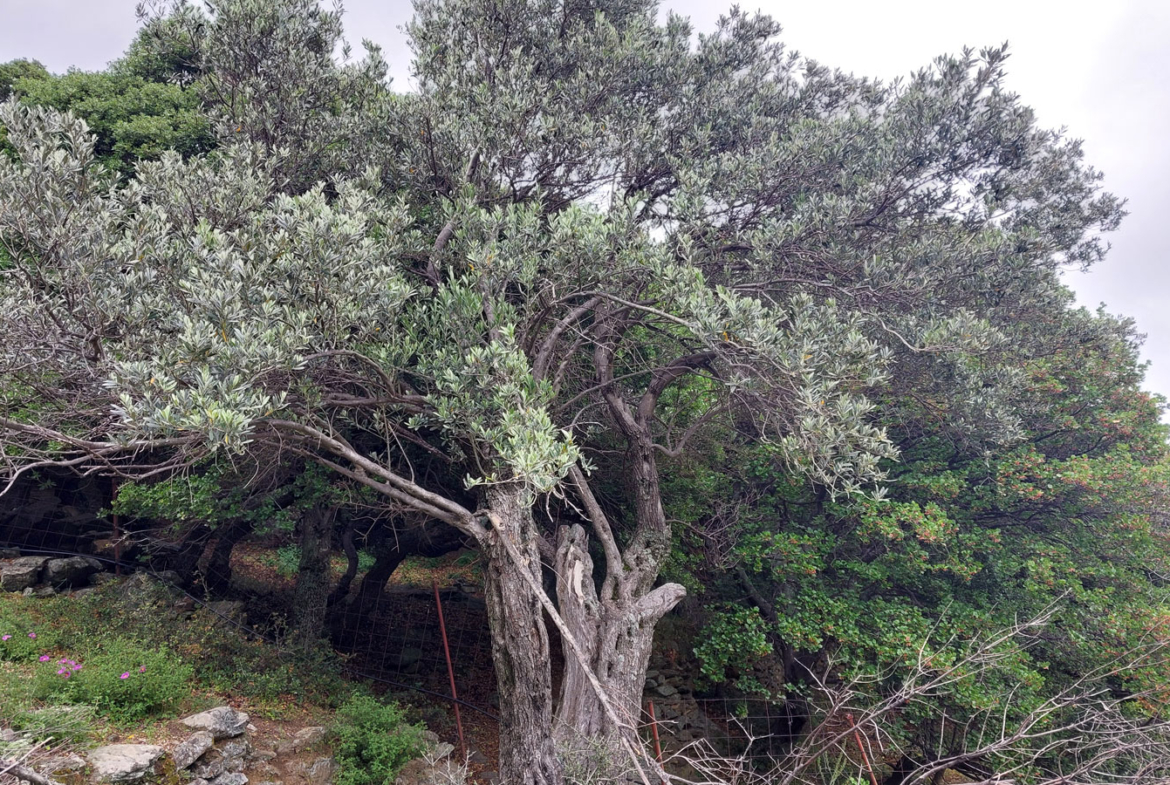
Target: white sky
{"x":1102,"y":69}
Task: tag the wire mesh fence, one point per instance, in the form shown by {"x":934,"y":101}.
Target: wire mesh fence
{"x":421,"y":634}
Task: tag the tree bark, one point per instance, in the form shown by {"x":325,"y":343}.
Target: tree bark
{"x":341,"y":590}
{"x":616,"y":634}
{"x":311,"y":594}
{"x":433,"y":538}
{"x":218,"y":575}
{"x":520,"y":647}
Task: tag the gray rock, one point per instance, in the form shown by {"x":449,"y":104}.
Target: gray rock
{"x":68,"y":572}
{"x":430,"y":737}
{"x":200,"y":781}
{"x":264,"y":755}
{"x":665,"y":690}
{"x":305,"y":737}
{"x":83,"y":592}
{"x":322,"y":771}
{"x":230,"y":778}
{"x":192,"y":749}
{"x":122,"y":762}
{"x":210,"y":766}
{"x":477,"y":757}
{"x":9,"y":553}
{"x":42,"y":591}
{"x":62,"y":763}
{"x":222,"y":722}
{"x":236,"y":749}
{"x":8,"y":734}
{"x":102,"y":578}
{"x":442,"y":749}
{"x":20,"y":573}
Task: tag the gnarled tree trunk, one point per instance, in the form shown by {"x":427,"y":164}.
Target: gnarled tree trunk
{"x":520,"y":648}
{"x":311,"y":594}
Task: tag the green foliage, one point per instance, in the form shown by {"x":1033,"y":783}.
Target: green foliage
{"x":124,"y":679}
{"x":22,"y":638}
{"x":132,"y":119}
{"x":373,"y":741}
{"x":15,"y":71}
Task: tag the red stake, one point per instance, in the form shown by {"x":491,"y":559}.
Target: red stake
{"x":861,"y":749}
{"x":654,"y":731}
{"x":451,"y":670}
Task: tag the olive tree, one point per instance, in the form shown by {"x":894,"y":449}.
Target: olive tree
{"x":586,"y":228}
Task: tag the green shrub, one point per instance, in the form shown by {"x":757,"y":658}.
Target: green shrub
{"x":373,"y":741}
{"x":21,"y":638}
{"x":127,"y":680}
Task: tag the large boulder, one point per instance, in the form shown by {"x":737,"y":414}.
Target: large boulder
{"x":123,"y":762}
{"x":21,"y":573}
{"x":72,"y":571}
{"x":221,"y":722}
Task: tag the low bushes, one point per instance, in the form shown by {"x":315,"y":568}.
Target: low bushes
{"x":373,"y":741}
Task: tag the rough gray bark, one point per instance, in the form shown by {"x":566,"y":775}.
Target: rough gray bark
{"x":520,"y":647}
{"x":311,"y":595}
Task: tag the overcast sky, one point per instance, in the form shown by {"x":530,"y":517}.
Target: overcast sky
{"x":1102,"y":69}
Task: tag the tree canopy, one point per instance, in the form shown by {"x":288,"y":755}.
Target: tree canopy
{"x":593,"y":250}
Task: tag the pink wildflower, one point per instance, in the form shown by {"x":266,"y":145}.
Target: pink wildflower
{"x":44,"y":658}
{"x":4,"y":637}
{"x":32,"y":635}
{"x":125,"y":675}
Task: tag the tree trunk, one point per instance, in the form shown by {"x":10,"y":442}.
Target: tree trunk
{"x":341,"y":590}
{"x":616,"y":635}
{"x":430,"y":539}
{"x":520,"y":648}
{"x":218,"y":575}
{"x":312,"y":590}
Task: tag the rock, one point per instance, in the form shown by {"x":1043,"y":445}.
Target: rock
{"x":42,"y":591}
{"x":430,"y":737}
{"x":192,"y":749}
{"x":263,"y":756}
{"x":236,"y":749}
{"x":9,"y":553}
{"x":197,"y":782}
{"x":102,"y":578}
{"x":442,"y":750}
{"x":20,"y":573}
{"x":169,"y":577}
{"x":7,"y":734}
{"x":63,"y":763}
{"x":68,"y":572}
{"x":222,"y":722}
{"x":477,"y":757}
{"x":271,"y":782}
{"x":322,"y":771}
{"x":230,"y":778}
{"x":210,"y":766}
{"x":83,"y":592}
{"x":665,"y":690}
{"x":122,"y":762}
{"x":305,"y":737}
